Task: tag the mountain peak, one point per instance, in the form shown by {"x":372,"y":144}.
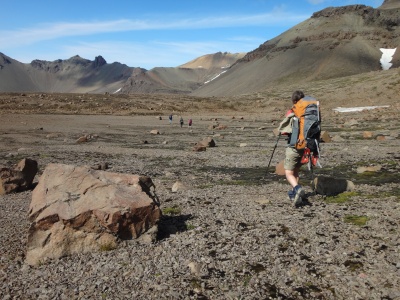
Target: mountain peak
{"x":390,"y":4}
{"x":99,"y":61}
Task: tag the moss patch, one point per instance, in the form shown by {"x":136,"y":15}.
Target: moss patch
{"x":356,"y":220}
{"x":341,"y":198}
{"x":174,"y":210}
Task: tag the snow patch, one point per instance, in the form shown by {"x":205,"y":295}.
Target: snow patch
{"x":361,"y":108}
{"x":117,"y":90}
{"x":215,"y":77}
{"x":386,"y":58}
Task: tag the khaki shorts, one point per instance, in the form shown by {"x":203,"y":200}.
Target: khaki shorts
{"x":292,"y":158}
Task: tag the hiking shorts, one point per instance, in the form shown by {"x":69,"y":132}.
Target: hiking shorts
{"x":292,"y":158}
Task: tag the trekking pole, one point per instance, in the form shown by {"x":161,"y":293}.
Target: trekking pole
{"x":276,"y":144}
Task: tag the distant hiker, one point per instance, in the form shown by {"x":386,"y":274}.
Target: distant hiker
{"x":181,"y":121}
{"x":190,"y":123}
{"x":302,"y":125}
{"x":170,"y":119}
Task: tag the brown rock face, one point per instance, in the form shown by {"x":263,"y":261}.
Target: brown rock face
{"x":78,"y":209}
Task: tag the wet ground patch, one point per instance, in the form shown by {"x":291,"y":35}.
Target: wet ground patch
{"x":243,"y":176}
{"x":389,"y":173}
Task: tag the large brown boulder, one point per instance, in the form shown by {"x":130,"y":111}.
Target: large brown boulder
{"x":18,"y":179}
{"x":78,"y":209}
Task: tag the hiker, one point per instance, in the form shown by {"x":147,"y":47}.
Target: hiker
{"x":299,"y":144}
{"x":190,"y":123}
{"x":170,"y":119}
{"x":181,"y":121}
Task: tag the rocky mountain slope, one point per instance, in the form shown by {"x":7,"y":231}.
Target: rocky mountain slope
{"x":334,"y":42}
{"x":72,"y":75}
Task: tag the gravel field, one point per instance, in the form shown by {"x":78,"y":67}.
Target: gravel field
{"x":231,"y":233}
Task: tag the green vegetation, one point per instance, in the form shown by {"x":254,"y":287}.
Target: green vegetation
{"x":341,"y":198}
{"x":174,"y":210}
{"x":356,"y":220}
{"x":190,"y":227}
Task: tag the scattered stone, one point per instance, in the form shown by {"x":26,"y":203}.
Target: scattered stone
{"x":369,"y":169}
{"x":243,"y":145}
{"x":154,"y":131}
{"x":102,"y":166}
{"x":179,"y":186}
{"x":82,"y":139}
{"x":279,"y":169}
{"x":367,"y":134}
{"x":207,"y":142}
{"x":199,"y":148}
{"x":221,"y":127}
{"x":325,"y":137}
{"x":380,"y":137}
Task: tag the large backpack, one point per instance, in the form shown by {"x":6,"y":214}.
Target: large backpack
{"x":306,"y":131}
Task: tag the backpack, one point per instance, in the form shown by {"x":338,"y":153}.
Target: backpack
{"x":306,"y":130}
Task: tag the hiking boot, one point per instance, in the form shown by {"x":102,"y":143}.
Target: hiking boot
{"x":299,"y":195}
{"x":291,"y":195}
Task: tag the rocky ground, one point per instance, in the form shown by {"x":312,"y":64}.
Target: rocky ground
{"x":231,"y":233}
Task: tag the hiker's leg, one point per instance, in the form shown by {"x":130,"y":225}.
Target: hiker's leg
{"x":292,"y":177}
{"x":292,"y":166}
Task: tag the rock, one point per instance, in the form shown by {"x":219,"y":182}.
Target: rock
{"x":380,"y":137}
{"x":179,"y":186}
{"x":18,"y":179}
{"x":207,"y":142}
{"x":82,"y":139}
{"x":367,"y":134}
{"x":77,"y":210}
{"x":154,"y":131}
{"x":369,"y":169}
{"x":330,"y":186}
{"x":221,"y":127}
{"x":243,"y":145}
{"x":279,"y":169}
{"x":325,"y":137}
{"x":199,"y":148}
{"x":101,"y":166}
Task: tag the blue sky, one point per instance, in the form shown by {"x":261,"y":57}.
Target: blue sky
{"x":147,"y":33}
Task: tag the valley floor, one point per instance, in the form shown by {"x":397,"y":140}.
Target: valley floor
{"x":234,"y":222}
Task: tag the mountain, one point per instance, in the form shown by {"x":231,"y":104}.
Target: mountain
{"x":79,"y":75}
{"x":185,"y":78}
{"x":334,"y":42}
{"x":69,"y":76}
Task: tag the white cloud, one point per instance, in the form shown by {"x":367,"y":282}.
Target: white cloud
{"x":26,"y":36}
